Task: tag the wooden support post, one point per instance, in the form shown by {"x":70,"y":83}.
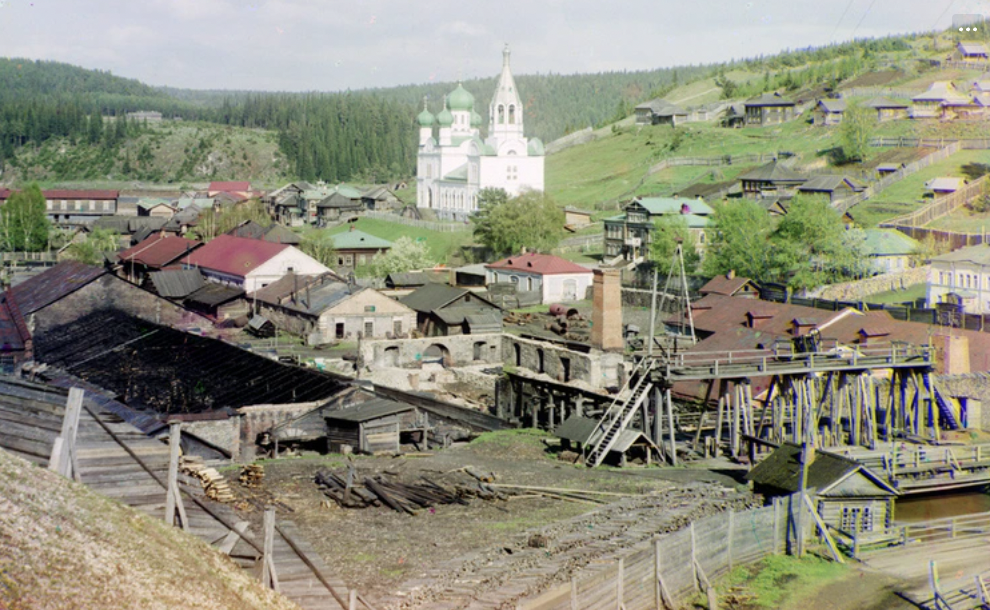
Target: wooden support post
{"x":981,"y":590}
{"x":857,"y":530}
{"x":707,"y":586}
{"x":64,"y":449}
{"x":776,"y":526}
{"x":227,"y":545}
{"x":352,"y":599}
{"x":807,"y":456}
{"x":574,"y":594}
{"x":619,"y":586}
{"x":657,"y":417}
{"x":694,"y":556}
{"x":661,"y":594}
{"x":728,"y":541}
{"x":173,"y":498}
{"x":670,"y":424}
{"x":269,"y":577}
{"x":934,"y":584}
{"x":823,"y":530}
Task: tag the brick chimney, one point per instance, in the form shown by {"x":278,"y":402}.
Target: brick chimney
{"x":606,"y":317}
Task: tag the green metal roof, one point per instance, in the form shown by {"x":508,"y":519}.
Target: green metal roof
{"x":460,"y":174}
{"x":445,"y":119}
{"x":672,"y":205}
{"x":426,"y":118}
{"x":475,"y":119}
{"x":359,"y":240}
{"x":888,"y":242}
{"x":536,"y":147}
{"x":460,"y":99}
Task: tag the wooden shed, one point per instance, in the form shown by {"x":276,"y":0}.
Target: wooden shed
{"x":847,"y":495}
{"x":631,"y":443}
{"x":375,"y":426}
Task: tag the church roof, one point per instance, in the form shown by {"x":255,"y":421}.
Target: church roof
{"x":460,"y":174}
{"x":444,"y":118}
{"x":460,"y":99}
{"x":505,"y":90}
{"x":536,"y":147}
{"x":426,"y":118}
{"x":475,"y":119}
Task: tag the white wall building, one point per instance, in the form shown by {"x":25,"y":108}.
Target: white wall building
{"x":556,"y":279}
{"x":961,"y":277}
{"x":456,"y":164}
{"x":250,"y":264}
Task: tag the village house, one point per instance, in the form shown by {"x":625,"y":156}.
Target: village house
{"x":274,"y":233}
{"x":769,"y":109}
{"x":556,"y":279}
{"x":356,"y":248}
{"x":575,"y":219}
{"x":343,"y":203}
{"x":944,"y":185}
{"x":660,"y":112}
{"x":981,"y":85}
{"x":888,"y":109}
{"x":885,"y":169}
{"x":772,"y":179}
{"x":155,"y":206}
{"x":250,"y":264}
{"x":829,"y":112}
{"x":72,"y":208}
{"x":380,"y":199}
{"x":734,"y":115}
{"x":942,"y":100}
{"x":153,"y":254}
{"x":846,"y":495}
{"x":218,"y":302}
{"x":971,"y":51}
{"x":889,"y":250}
{"x":323,"y":309}
{"x":731,"y":285}
{"x":446,"y":310}
{"x":242,"y":190}
{"x":629,"y":234}
{"x":961,"y":277}
{"x":835,"y":188}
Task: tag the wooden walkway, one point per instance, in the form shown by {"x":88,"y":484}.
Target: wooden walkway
{"x":118,"y":461}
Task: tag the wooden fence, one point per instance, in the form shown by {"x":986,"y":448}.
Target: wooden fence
{"x":939,"y":155}
{"x":717,"y":161}
{"x":674,"y":566}
{"x":439,"y":227}
{"x":941,"y":206}
{"x":964,"y":143}
{"x":879,"y":92}
{"x":954,"y":239}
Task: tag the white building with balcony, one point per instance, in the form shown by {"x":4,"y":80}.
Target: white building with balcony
{"x":961,"y":277}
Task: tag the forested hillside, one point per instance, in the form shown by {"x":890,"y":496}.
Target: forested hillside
{"x":370,"y":135}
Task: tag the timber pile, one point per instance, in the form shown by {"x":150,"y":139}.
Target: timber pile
{"x":409,"y":498}
{"x":215,"y":486}
{"x":252,"y":475}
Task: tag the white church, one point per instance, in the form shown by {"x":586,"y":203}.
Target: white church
{"x":454,"y":166}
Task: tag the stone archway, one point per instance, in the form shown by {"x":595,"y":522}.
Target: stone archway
{"x":437,"y":353}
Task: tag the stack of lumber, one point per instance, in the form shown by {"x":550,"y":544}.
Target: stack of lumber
{"x":409,"y":498}
{"x":252,"y":475}
{"x":215,"y":486}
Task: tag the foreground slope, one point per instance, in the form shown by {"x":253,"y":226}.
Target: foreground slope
{"x":63,"y":546}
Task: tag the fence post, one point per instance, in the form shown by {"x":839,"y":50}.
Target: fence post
{"x":732,"y":524}
{"x":776,"y":526}
{"x":269,"y":578}
{"x":656,"y":573}
{"x":574,"y":594}
{"x":694,"y":563}
{"x":619,"y":593}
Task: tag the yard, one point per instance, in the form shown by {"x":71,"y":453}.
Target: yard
{"x":907,"y":195}
{"x":911,"y":293}
{"x":443,"y":245}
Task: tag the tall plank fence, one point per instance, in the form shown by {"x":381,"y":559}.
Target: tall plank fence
{"x":941,"y":206}
{"x":717,"y":161}
{"x":939,"y":155}
{"x":673,"y":565}
{"x":964,"y":143}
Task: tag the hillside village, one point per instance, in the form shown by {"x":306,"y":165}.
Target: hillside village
{"x":609,"y":370}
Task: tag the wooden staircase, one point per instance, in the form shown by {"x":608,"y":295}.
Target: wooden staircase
{"x":620,"y":413}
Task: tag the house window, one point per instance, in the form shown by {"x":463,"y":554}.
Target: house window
{"x":339,"y":330}
{"x":397,"y":327}
{"x":369,"y":328}
{"x":369,"y":309}
{"x":340,"y":261}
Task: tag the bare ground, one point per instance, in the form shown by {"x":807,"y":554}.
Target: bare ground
{"x":418,"y":561}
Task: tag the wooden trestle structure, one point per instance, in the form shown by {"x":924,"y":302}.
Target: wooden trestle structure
{"x":858,"y":396}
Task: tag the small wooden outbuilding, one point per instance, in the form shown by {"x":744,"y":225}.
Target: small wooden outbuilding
{"x":375,"y":426}
{"x":847,"y":495}
{"x":631,"y":443}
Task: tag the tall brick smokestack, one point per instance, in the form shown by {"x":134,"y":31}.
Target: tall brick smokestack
{"x":606,"y":317}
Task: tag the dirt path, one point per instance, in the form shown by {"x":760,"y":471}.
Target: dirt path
{"x":862,"y":589}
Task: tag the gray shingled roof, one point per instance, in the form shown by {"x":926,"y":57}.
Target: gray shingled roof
{"x":368,"y":410}
{"x":578,"y":429}
{"x":782,"y":470}
{"x":773,"y":172}
{"x":177,"y":283}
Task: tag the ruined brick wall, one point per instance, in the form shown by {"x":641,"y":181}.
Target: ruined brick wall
{"x":461,"y":350}
{"x":224,"y":433}
{"x":255,"y":420}
{"x":596,"y":368}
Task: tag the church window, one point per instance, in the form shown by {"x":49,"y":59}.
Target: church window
{"x":501,"y":114}
{"x":512,"y":114}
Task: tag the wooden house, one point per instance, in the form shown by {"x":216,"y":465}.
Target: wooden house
{"x":355,"y":249}
{"x":972,"y":51}
{"x":375,"y":426}
{"x":835,"y":188}
{"x":847,"y":495}
{"x":734,"y":116}
{"x":944,"y":185}
{"x":941,"y":100}
{"x":341,"y":204}
{"x":829,"y":112}
{"x":888,"y":109}
{"x":445,"y":310}
{"x":380,"y":199}
{"x":771,"y":178}
{"x":575,"y":218}
{"x":660,"y":112}
{"x":769,"y":109}
{"x":729,"y":284}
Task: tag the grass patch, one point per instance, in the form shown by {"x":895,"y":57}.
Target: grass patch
{"x":911,"y":293}
{"x":441,"y":245}
{"x":363,"y":557}
{"x":774,"y":580}
{"x":508,"y":438}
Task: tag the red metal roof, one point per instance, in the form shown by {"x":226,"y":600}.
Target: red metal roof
{"x":14,"y":334}
{"x":55,"y":283}
{"x":158,"y":251}
{"x":91,"y":194}
{"x":5,"y":193}
{"x":234,"y":256}
{"x":226,"y":187}
{"x":722,"y":284}
{"x":541,"y":264}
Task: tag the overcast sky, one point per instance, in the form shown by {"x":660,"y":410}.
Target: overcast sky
{"x":329,"y":45}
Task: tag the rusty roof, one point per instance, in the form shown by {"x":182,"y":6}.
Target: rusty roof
{"x":540,"y":264}
{"x":54,"y":284}
{"x":86,"y":194}
{"x":723,"y":284}
{"x":236,"y":256}
{"x":158,"y":251}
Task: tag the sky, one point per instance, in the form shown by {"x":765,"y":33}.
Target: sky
{"x":333,"y":45}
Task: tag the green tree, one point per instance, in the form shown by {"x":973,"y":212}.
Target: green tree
{"x":855,"y":131}
{"x":668,"y":231}
{"x":405,"y":254}
{"x":739,"y":240}
{"x":24,"y":227}
{"x":531,"y":220}
{"x":320,"y":246}
{"x":814,"y":245}
{"x":90,"y":250}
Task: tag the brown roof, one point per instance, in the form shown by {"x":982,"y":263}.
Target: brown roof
{"x":158,"y":251}
{"x":91,"y":194}
{"x":52,"y":285}
{"x":722,"y":284}
{"x":227,"y":187}
{"x":234,"y":256}
{"x":541,"y":264}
